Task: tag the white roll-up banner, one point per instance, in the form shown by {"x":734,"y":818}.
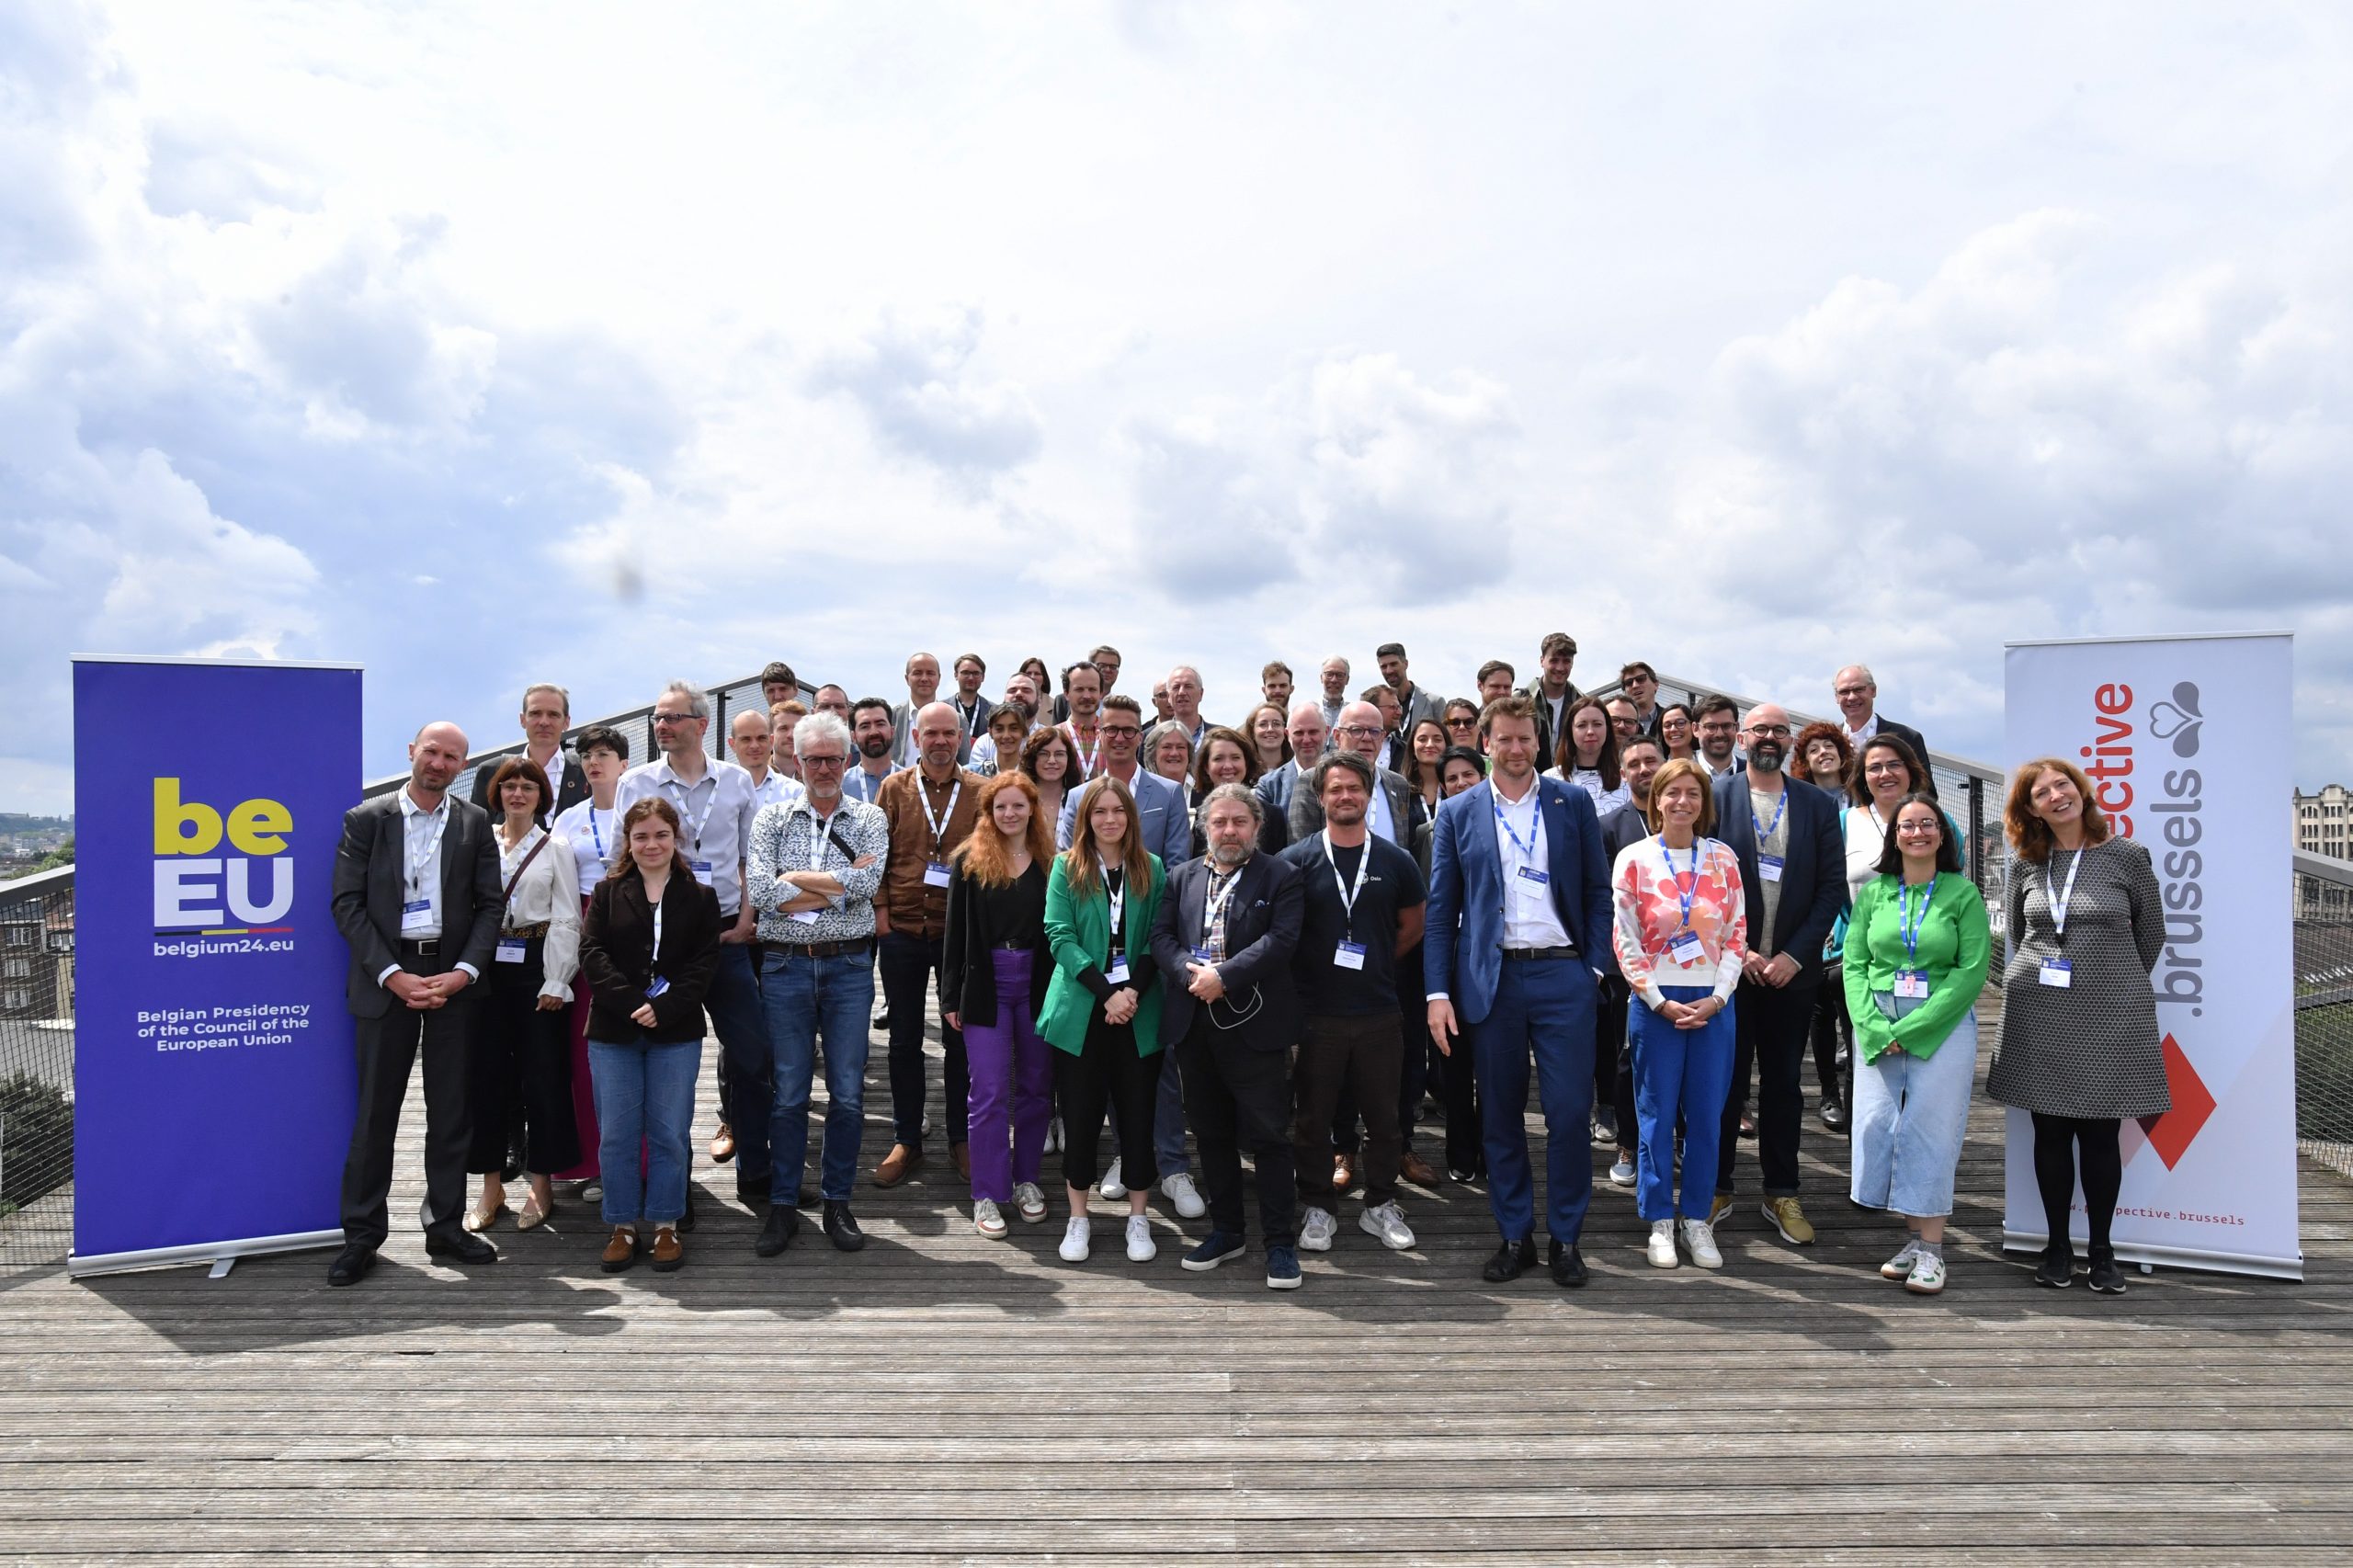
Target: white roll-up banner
{"x":2186,"y":744}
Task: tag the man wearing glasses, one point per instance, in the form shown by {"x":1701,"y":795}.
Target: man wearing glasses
{"x":716,"y":801}
{"x":1396,"y":810}
{"x":1167,"y":827}
{"x":1639,"y":683}
{"x":1792,"y":871}
{"x":1717,"y":723}
{"x":1856,"y":690}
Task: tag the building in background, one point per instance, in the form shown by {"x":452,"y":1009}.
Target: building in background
{"x":2324,"y":822}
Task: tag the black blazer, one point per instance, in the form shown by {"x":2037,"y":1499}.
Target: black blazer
{"x":1262,"y":926}
{"x":617,"y":955}
{"x":568,"y":794}
{"x":371,"y":879}
{"x":966,"y":961}
{"x":1623,"y":827}
{"x":1814,"y":873}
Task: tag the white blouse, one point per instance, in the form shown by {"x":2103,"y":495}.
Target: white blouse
{"x":548,"y":890}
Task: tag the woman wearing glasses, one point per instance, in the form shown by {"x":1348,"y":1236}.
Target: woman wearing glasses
{"x":1674,"y":733}
{"x":1916,"y":956}
{"x":1461,"y":721}
{"x":1269,"y":729}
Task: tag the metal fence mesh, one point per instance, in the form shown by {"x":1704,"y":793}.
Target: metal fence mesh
{"x":2325,"y":1019}
{"x":36,"y":1074}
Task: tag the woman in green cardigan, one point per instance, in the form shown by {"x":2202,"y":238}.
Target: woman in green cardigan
{"x":1102,"y":1012}
{"x":1917,"y":946}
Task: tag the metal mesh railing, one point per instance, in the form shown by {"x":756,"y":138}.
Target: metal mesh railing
{"x":36,"y":1070}
{"x":2324,"y":1014}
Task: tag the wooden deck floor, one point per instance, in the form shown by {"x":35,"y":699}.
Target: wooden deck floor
{"x":942,"y":1397}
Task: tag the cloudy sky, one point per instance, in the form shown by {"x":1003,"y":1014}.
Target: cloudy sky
{"x":608,"y":344}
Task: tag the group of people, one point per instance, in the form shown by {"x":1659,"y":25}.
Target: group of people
{"x":1277,"y":937}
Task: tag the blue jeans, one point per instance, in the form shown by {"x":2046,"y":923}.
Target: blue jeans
{"x":805,"y":998}
{"x":645,"y":1091}
{"x":1543,"y":1011}
{"x":1910,"y":1114}
{"x":733,"y":1000}
{"x":1677,"y":1073}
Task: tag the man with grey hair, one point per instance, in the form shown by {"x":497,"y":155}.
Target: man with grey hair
{"x":1184,"y":688}
{"x":1856,"y":690}
{"x":547,"y":713}
{"x":1334,"y":677}
{"x":811,"y":873}
{"x":715,"y":801}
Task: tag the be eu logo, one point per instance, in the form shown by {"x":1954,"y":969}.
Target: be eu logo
{"x":200,"y":889}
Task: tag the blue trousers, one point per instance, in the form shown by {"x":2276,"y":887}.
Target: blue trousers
{"x":807,"y":998}
{"x":733,"y":1000}
{"x":644,"y":1091}
{"x":1543,"y":1012}
{"x":1678,"y":1073}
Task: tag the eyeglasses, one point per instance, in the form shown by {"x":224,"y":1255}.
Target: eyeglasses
{"x":1885,"y":765}
{"x":1121,"y":730}
{"x":1358,"y":729}
{"x":674,"y":717}
{"x":1462,"y":723}
{"x":1770,"y":732}
{"x":1918,"y":827}
{"x":816,"y":759}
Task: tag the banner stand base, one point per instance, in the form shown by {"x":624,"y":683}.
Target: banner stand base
{"x":2171,"y":1258}
{"x":220,"y":1255}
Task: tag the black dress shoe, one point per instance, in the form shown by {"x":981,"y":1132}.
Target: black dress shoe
{"x":841,"y":1226}
{"x":1834,"y":1116}
{"x":455,"y":1243}
{"x":1510,"y":1261}
{"x":1568,"y":1268}
{"x":351,"y":1264}
{"x":783,"y":1224}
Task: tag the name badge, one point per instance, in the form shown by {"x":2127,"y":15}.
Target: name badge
{"x":1769,"y":868}
{"x":1685,"y":948}
{"x":1533,"y":875}
{"x":1201,"y":955}
{"x":2058,"y":972}
{"x":1118,"y":974}
{"x":934,"y":874}
{"x":806,"y":916}
{"x":1912,"y":985}
{"x":511,"y":949}
{"x":702,"y":869}
{"x":1350,"y":955}
{"x":416,"y":914}
{"x":659,"y":986}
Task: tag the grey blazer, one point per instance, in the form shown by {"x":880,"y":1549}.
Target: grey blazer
{"x":368,"y":878}
{"x":902,"y":717}
{"x":1305,"y":815}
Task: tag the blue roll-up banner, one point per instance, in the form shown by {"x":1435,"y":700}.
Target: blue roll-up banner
{"x":214,"y":1070}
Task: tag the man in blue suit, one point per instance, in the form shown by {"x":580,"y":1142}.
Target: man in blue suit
{"x":1166,"y":828}
{"x":1793,"y":871}
{"x":1517,"y":937}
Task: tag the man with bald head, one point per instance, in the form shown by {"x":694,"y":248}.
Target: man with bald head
{"x":1307,"y":732}
{"x":931,"y":808}
{"x":416,"y":895}
{"x":1792,"y":871}
{"x":1396,"y":810}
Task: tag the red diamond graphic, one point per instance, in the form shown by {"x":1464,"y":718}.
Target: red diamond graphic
{"x":2171,"y":1133}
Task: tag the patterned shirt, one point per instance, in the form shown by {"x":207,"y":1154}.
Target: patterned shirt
{"x":1215,"y":903}
{"x":1649,"y":905}
{"x":791,"y":838}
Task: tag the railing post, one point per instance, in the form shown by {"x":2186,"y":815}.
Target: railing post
{"x":1977,"y":831}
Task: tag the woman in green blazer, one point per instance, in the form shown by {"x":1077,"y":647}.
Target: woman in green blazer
{"x":1102,"y":1012}
{"x":1917,"y":948}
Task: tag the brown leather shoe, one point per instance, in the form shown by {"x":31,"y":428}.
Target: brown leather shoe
{"x":1416,"y":1169}
{"x":667,"y":1253}
{"x":722,"y":1144}
{"x":622,"y":1251}
{"x":1344,"y":1176}
{"x":896,"y":1164}
{"x":963,"y":1156}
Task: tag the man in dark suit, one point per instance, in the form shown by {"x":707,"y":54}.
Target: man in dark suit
{"x":417,"y":897}
{"x":1307,"y":732}
{"x":1516,"y":939}
{"x":1792,"y":871}
{"x":1223,"y":942}
{"x":547,"y":713}
{"x":1856,"y":690}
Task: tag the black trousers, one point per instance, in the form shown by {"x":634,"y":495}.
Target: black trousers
{"x":1238,"y":1097}
{"x":907,"y":963}
{"x":1413,"y":1063}
{"x":387,"y":1049}
{"x":1771,"y":1025}
{"x":1834,"y":1035}
{"x":1358,"y":1053}
{"x":1613,"y":1058}
{"x":520,"y":1069}
{"x":1107,"y":1075}
{"x":2060,"y":1143}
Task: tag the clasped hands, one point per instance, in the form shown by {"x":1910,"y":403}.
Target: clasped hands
{"x":423,"y":992}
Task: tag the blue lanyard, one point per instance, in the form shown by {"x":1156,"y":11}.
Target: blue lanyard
{"x":1908,"y":926}
{"x":1526,"y":850}
{"x":1683,"y":892}
{"x":1774,"y":826}
{"x":595,"y":832}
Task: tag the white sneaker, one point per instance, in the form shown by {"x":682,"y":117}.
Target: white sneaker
{"x":1183,"y":1196}
{"x":1927,"y":1276}
{"x":1054,"y":1136}
{"x":1031,"y":1201}
{"x":1074,"y":1234}
{"x":1700,"y":1240}
{"x":1315,"y":1228}
{"x":1141,"y":1248}
{"x":1661,"y":1250}
{"x":1111,"y":1186}
{"x":986,"y":1220}
{"x":1622,"y":1173}
{"x":1386,"y":1222}
{"x":1900,"y":1266}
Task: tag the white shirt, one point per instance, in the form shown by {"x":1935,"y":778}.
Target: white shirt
{"x":714,"y":816}
{"x":589,"y":831}
{"x":1377,"y":814}
{"x":776,"y":789}
{"x":1530,"y":919}
{"x":553,"y":768}
{"x":1871,"y":728}
{"x":549,"y":889}
{"x":420,"y":827}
